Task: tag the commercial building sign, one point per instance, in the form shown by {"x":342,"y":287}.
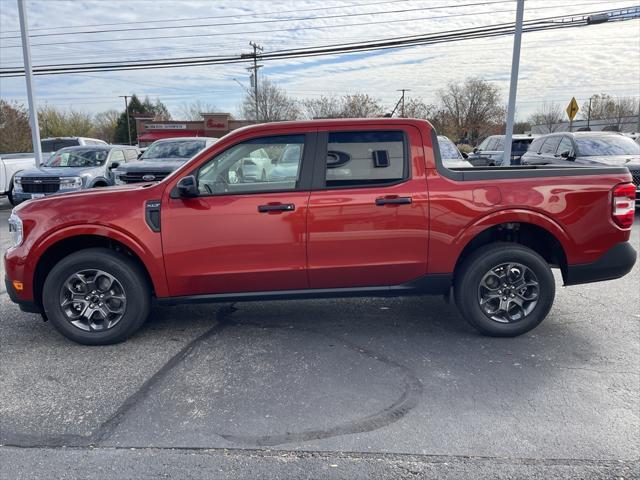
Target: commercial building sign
{"x":165,"y":126}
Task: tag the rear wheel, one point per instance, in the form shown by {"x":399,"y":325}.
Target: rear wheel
{"x":96,"y":297}
{"x":504,"y":289}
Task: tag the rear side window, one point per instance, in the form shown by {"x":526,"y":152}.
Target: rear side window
{"x":550,"y":145}
{"x":363,"y":159}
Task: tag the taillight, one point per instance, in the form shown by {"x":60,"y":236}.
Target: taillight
{"x":624,"y":204}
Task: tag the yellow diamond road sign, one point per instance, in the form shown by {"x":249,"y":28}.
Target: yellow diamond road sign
{"x":572,"y":108}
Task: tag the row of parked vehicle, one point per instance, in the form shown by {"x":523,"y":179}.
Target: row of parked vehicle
{"x":78,"y":163}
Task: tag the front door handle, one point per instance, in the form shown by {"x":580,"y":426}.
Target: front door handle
{"x":393,"y":200}
{"x":276,"y":207}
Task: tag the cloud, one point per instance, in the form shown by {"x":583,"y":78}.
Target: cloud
{"x":555,"y":65}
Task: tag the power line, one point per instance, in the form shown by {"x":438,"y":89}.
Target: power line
{"x":277,"y":20}
{"x":548,"y":23}
{"x":295,"y":29}
{"x":255,"y":14}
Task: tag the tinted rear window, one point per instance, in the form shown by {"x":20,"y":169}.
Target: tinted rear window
{"x":521,"y":145}
{"x":55,"y":145}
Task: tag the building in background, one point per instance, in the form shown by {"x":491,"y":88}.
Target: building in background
{"x":211,"y":125}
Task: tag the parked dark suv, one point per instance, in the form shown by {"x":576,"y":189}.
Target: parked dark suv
{"x":586,"y":148}
{"x":162,"y":158}
{"x":491,"y":151}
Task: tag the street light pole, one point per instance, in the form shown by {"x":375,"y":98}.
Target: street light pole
{"x":589,"y":115}
{"x":28,"y":75}
{"x":513,"y":88}
{"x":126,"y":112}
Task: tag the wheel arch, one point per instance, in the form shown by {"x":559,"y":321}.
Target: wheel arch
{"x":531,"y":229}
{"x":70,"y":242}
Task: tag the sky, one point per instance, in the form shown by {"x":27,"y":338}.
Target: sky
{"x":554,"y":65}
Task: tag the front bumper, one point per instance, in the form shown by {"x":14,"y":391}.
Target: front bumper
{"x":615,"y":263}
{"x":25,"y":305}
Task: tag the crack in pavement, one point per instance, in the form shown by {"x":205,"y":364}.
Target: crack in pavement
{"x":407,"y":401}
{"x":17,"y":439}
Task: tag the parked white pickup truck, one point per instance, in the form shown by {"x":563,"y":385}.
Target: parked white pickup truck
{"x":12,"y":163}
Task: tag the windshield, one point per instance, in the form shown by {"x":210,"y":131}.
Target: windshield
{"x":173,"y":149}
{"x":448,"y":150}
{"x":77,"y":158}
{"x":606,"y":145}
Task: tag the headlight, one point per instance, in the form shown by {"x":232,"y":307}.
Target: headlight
{"x":17,"y":181}
{"x":71,"y":182}
{"x":15,"y":230}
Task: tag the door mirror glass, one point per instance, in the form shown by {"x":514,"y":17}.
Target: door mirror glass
{"x":187,"y":187}
{"x":114,"y":165}
{"x":566,"y":155}
{"x":464,"y":155}
{"x":475,"y":149}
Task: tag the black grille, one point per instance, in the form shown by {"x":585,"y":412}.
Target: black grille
{"x":636,"y":176}
{"x":40,"y":184}
{"x":136,"y":177}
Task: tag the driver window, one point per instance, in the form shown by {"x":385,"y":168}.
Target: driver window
{"x":259,"y":165}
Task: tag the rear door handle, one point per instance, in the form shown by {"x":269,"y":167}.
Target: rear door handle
{"x":276,"y":207}
{"x":393,"y":200}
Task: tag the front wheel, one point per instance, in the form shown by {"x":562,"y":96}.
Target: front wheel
{"x":504,"y":289}
{"x":96,"y":297}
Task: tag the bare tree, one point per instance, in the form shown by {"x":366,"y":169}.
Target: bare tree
{"x":194,"y":110}
{"x":471,"y":108}
{"x":273,"y":104}
{"x":417,"y":108}
{"x":549,"y":116}
{"x":615,"y":109}
{"x":15,"y":133}
{"x":105,"y":125}
{"x":322,"y":107}
{"x":359,"y":105}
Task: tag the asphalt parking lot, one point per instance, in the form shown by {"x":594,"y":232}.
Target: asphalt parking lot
{"x":365,"y":388}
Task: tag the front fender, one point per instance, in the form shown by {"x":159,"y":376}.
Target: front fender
{"x":25,"y":262}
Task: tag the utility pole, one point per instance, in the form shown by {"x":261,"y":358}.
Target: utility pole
{"x":28,"y":75}
{"x":513,"y":88}
{"x":402,"y":100}
{"x":255,"y":68}
{"x":589,"y":115}
{"x":126,"y":112}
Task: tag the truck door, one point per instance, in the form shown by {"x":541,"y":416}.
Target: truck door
{"x":368,"y":214}
{"x":242,"y":233}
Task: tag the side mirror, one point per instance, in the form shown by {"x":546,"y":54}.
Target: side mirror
{"x":188,"y":187}
{"x":475,"y":149}
{"x":566,"y":155}
{"x":464,"y":155}
{"x":114,"y":165}
{"x":274,"y":161}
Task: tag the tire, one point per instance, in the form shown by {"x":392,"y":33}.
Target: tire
{"x":129,"y":286}
{"x":483,"y":269}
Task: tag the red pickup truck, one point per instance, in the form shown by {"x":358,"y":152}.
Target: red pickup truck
{"x":330,"y":208}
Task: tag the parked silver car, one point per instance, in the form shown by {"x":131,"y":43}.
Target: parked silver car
{"x":72,"y":168}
